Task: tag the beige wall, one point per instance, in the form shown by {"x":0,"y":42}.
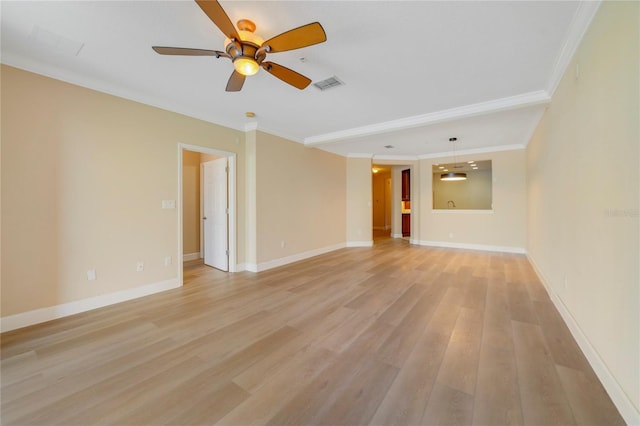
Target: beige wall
{"x":83,"y":177}
{"x":190,"y":202}
{"x":504,"y":228}
{"x":583,"y":197}
{"x":300,"y":198}
{"x":359,"y":213}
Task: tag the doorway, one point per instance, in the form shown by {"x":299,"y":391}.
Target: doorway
{"x":199,"y":238}
{"x":381,"y":188}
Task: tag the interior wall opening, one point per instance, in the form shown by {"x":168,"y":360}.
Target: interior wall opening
{"x":207,"y":181}
{"x":382,"y":198}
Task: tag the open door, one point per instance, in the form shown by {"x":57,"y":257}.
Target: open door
{"x":215,"y":214}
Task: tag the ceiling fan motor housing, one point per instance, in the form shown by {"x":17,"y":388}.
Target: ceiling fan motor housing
{"x":247,"y":48}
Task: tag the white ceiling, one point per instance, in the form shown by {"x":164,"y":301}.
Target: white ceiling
{"x":415,"y":72}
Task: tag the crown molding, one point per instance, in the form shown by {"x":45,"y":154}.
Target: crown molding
{"x":39,"y":68}
{"x":503,"y":104}
{"x":580,"y":23}
{"x":359,"y":155}
{"x":396,"y":157}
{"x":486,"y":150}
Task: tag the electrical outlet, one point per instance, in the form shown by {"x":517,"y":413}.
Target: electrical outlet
{"x":140,"y":266}
{"x":167,"y":261}
{"x":91,"y":274}
{"x":450,"y":234}
{"x":282,"y":244}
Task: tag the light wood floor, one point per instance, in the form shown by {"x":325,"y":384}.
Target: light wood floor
{"x":390,"y":335}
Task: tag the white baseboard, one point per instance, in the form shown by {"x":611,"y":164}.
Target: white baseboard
{"x":191,"y":256}
{"x":482,"y":247}
{"x":626,"y":407}
{"x":293,"y":258}
{"x":259,"y":267}
{"x":360,"y":243}
{"x":251,"y":267}
{"x":241,"y":267}
{"x":396,"y":235}
{"x":25,"y":319}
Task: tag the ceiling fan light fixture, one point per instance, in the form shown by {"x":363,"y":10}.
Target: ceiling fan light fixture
{"x":245,"y":65}
{"x":453,"y":176}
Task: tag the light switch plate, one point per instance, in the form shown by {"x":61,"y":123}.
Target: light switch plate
{"x":168,"y":204}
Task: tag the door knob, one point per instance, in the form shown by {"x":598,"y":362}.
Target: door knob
{"x":204,"y":218}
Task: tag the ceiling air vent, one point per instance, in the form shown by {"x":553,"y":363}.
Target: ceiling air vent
{"x":328,"y":83}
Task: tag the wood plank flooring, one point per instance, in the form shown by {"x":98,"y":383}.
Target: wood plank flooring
{"x":389,"y":335}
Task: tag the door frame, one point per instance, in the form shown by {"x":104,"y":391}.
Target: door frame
{"x":231,"y":163}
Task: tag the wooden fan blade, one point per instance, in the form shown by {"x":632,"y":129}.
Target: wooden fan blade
{"x":188,"y":52}
{"x":235,"y":83}
{"x":287,"y":75}
{"x":306,"y":35}
{"x":216,"y":13}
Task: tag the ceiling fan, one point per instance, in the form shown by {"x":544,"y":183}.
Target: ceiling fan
{"x":248,"y":51}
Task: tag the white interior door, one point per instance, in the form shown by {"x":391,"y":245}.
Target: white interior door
{"x":215,"y":217}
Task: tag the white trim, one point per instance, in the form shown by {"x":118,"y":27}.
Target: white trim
{"x":360,"y":243}
{"x":468,"y":246}
{"x":250,"y":126}
{"x":396,"y":235}
{"x":293,"y":258}
{"x":356,"y":155}
{"x":462,"y":211}
{"x":411,"y":158}
{"x":47,"y":70}
{"x":624,"y":404}
{"x":475,"y":151}
{"x":190,"y":256}
{"x":251,"y":267}
{"x":241,"y":267}
{"x":577,"y":29}
{"x":38,"y":316}
{"x":502,"y":104}
{"x":231,"y":194}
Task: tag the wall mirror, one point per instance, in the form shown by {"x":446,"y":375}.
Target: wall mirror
{"x":462,"y":186}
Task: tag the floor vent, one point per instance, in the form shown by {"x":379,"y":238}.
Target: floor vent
{"x":328,"y":83}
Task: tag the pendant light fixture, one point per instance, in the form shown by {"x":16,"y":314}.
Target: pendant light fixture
{"x":453,"y":176}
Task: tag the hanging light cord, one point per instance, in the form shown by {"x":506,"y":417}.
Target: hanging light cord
{"x":455,"y":161}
